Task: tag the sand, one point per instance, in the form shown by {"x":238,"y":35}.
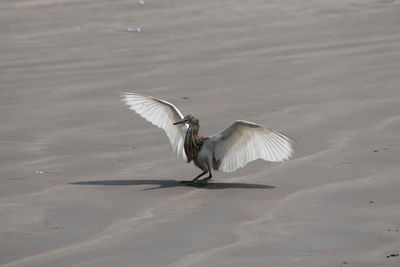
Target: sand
{"x":86,"y":182}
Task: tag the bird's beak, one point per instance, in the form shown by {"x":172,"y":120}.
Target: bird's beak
{"x":179,"y":122}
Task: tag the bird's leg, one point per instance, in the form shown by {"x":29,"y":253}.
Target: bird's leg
{"x":194,"y":181}
{"x":205,"y":180}
{"x":198,"y":176}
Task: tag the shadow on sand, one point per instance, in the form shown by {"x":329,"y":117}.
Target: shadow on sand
{"x":173,"y":183}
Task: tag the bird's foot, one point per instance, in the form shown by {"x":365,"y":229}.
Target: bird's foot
{"x":198,"y":183}
{"x":202,"y":182}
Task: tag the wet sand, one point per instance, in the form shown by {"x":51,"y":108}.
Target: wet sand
{"x":85,"y":182}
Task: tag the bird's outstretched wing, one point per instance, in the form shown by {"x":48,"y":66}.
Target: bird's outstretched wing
{"x":161,"y":114}
{"x":245,"y":141}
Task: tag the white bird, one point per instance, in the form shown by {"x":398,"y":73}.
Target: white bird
{"x":231,"y":149}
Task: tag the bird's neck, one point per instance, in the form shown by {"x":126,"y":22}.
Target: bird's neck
{"x":193,"y":142}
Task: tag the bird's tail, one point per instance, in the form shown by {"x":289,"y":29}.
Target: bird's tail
{"x":216,"y":163}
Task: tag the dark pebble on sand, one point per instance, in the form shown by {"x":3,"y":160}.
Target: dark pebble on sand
{"x":371,"y":202}
{"x":185,"y":97}
{"x":375,"y":150}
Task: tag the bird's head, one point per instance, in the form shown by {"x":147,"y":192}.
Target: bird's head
{"x":189,"y":119}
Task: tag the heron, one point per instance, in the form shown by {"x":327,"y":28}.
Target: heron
{"x":227,"y":151}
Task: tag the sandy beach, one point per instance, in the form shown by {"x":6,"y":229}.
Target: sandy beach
{"x":84,"y":181}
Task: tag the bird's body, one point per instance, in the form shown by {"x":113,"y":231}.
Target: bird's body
{"x":193,"y":142}
{"x":227,"y":151}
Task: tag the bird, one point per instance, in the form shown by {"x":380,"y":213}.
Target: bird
{"x":227,"y":151}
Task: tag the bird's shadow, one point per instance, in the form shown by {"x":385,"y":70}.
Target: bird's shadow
{"x":172,"y":183}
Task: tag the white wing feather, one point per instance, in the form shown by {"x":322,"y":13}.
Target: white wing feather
{"x":161,"y":114}
{"x":245,"y":141}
